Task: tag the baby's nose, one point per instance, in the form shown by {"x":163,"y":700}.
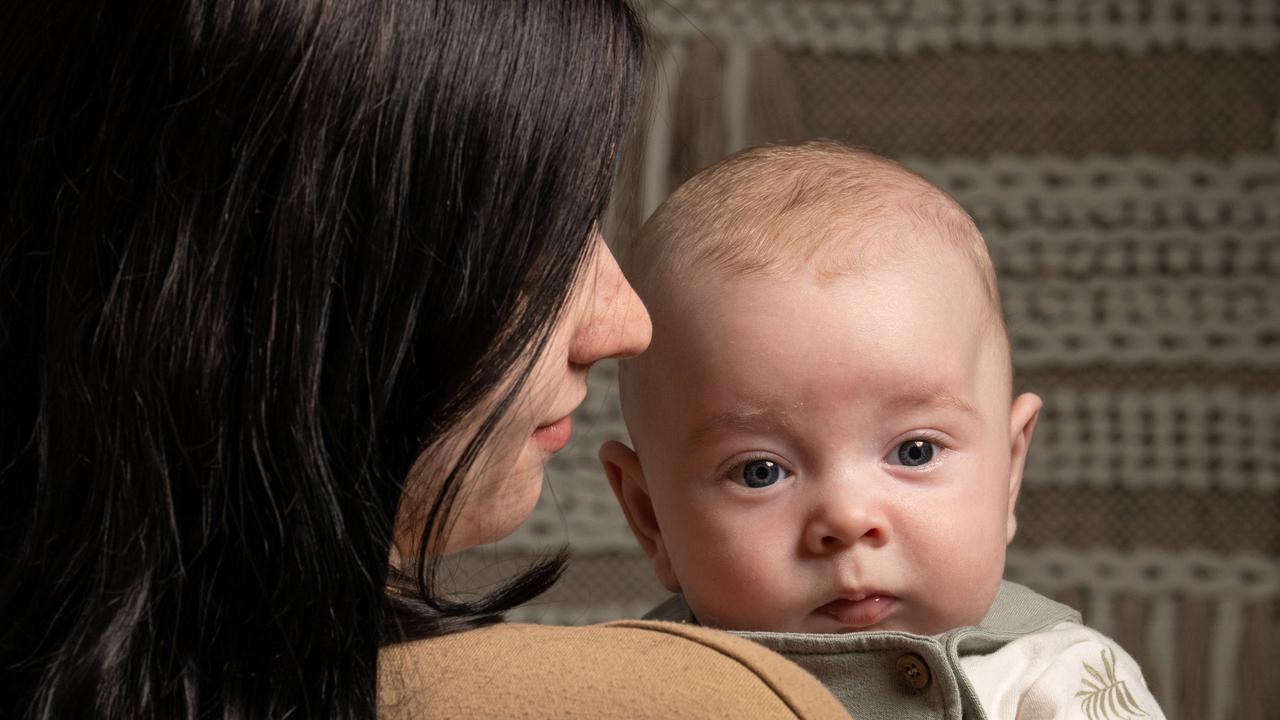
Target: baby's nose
{"x":841,"y":523}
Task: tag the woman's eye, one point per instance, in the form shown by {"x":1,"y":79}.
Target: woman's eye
{"x":760,"y":473}
{"x":913,"y":453}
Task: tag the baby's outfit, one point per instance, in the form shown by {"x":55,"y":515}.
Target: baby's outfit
{"x":1029,"y":658}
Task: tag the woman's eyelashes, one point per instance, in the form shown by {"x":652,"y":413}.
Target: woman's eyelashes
{"x":916,"y":452}
{"x":758,"y":473}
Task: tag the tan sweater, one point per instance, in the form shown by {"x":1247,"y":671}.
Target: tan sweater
{"x":628,"y":669}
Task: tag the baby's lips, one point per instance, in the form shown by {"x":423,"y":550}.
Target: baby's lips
{"x":864,"y":612}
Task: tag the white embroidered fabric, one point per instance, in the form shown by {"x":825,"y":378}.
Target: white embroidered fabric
{"x":1069,"y":672}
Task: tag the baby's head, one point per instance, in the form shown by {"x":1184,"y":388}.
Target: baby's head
{"x":825,"y":435}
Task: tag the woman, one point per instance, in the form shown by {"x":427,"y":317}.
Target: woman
{"x":288,"y":285}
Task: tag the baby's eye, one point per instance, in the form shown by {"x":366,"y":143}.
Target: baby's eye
{"x":913,"y":453}
{"x":759,"y":473}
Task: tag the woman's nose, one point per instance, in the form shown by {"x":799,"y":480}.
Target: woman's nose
{"x":843,"y":520}
{"x":613,"y":322}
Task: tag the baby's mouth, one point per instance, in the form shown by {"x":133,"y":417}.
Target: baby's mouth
{"x":860,"y":611}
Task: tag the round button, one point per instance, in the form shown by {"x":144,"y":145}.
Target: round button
{"x":914,"y":671}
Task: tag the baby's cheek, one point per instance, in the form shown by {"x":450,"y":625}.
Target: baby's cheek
{"x":733,"y":561}
{"x":742,"y":591}
{"x":980,"y":573}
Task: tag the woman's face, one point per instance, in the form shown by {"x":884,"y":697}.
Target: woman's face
{"x":603,"y":318}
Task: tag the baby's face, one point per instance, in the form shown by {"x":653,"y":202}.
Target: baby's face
{"x":833,"y":455}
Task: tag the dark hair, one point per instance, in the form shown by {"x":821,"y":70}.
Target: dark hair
{"x":254,"y":258}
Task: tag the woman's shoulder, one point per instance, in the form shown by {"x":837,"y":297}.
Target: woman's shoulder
{"x":627,"y":669}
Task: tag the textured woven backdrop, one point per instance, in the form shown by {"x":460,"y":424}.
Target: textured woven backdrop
{"x":1123,"y":159}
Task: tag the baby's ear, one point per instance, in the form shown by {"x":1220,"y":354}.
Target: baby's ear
{"x":1022,"y":424}
{"x":626,"y":477}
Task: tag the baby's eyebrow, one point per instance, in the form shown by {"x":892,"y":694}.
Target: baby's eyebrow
{"x":931,"y":397}
{"x":739,"y":420}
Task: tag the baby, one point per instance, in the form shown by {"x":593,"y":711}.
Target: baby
{"x":827,"y":447}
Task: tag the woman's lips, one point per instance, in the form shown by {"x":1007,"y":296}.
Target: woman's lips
{"x":862,"y":612}
{"x":552,"y":438}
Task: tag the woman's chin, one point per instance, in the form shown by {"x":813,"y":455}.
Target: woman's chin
{"x":489,"y":518}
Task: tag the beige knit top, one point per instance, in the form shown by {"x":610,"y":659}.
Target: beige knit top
{"x":628,"y":669}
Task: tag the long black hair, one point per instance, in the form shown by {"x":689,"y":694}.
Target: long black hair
{"x":255,"y":257}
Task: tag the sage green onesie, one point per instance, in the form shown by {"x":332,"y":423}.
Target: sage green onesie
{"x":1029,"y":657}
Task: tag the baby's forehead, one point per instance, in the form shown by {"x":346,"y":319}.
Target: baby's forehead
{"x":693,"y":305}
